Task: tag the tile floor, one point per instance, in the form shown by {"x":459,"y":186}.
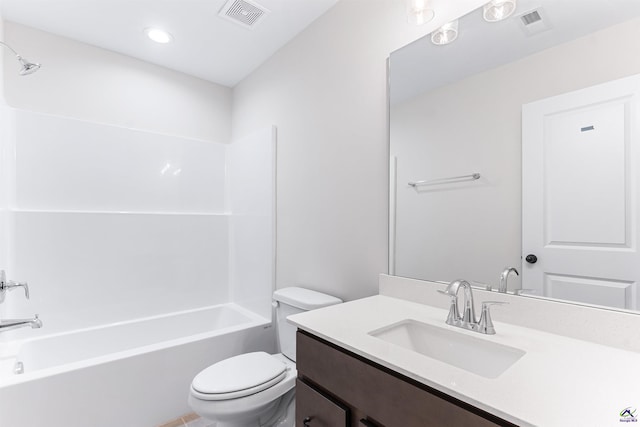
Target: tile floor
{"x":200,"y":422}
{"x":189,"y":420}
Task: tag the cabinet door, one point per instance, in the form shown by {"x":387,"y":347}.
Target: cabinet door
{"x":313,"y":409}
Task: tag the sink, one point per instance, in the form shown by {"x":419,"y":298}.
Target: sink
{"x":476,"y":355}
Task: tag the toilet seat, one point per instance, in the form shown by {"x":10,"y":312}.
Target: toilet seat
{"x":239,"y":376}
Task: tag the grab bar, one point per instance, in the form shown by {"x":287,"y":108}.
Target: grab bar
{"x":449,"y":180}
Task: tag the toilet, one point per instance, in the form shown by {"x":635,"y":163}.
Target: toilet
{"x":257,"y":389}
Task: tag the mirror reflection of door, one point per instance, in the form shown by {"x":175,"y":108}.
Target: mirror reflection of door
{"x":580,"y":195}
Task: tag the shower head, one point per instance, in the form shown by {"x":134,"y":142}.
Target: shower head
{"x":27,"y":67}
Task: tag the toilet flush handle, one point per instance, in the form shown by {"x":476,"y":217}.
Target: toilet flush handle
{"x":306,"y":422}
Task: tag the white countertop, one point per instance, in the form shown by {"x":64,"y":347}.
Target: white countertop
{"x":560,"y":381}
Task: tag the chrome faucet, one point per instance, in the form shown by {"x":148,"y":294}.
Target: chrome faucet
{"x":468,"y":318}
{"x":6,"y":325}
{"x":6,"y":286}
{"x":504,"y":277}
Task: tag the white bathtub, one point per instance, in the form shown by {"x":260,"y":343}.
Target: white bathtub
{"x":131,"y":374}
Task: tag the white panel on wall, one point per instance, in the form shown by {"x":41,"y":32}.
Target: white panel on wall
{"x":68,"y":164}
{"x":251,"y":197}
{"x":89,"y":269}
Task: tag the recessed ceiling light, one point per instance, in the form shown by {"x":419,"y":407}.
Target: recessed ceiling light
{"x":158,"y":35}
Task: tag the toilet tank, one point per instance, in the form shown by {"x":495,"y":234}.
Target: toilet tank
{"x":295,"y":300}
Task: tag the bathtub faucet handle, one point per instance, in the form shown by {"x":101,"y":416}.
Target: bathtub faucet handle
{"x":8,"y":285}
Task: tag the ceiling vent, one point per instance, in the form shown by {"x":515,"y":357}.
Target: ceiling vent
{"x":243,"y":12}
{"x":531,"y":18}
{"x":534,"y":22}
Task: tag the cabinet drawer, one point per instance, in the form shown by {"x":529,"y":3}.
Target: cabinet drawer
{"x":313,"y":409}
{"x":383,"y":395}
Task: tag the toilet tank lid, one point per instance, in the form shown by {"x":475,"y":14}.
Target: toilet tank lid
{"x":304,"y":299}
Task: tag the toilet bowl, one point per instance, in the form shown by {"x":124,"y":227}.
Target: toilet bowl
{"x":257,"y":389}
{"x":253,"y":404}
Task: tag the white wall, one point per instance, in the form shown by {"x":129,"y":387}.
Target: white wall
{"x":326,"y":92}
{"x":474,"y":125}
{"x":86,"y":82}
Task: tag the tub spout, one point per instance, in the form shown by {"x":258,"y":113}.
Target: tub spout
{"x":6,"y":325}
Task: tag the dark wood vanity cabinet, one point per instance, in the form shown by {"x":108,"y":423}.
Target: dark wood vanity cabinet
{"x":337,"y":388}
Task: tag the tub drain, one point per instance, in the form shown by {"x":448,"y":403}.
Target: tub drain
{"x":18,"y":368}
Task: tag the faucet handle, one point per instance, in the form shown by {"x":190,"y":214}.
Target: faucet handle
{"x":485,"y":325}
{"x":7,"y":285}
{"x":453,"y":318}
{"x":12,"y":285}
{"x":449,"y":291}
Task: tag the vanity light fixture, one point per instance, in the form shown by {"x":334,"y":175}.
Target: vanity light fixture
{"x":158,"y":35}
{"x":445,"y":34}
{"x":498,"y":10}
{"x":419,"y":12}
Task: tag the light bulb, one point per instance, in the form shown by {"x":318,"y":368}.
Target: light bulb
{"x":158,"y":35}
{"x":445,"y":34}
{"x":419,"y":12}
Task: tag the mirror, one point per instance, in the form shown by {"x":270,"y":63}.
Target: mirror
{"x":459,"y":110}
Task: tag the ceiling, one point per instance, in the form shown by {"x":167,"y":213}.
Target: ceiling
{"x":204,"y":45}
{"x":423,"y":66}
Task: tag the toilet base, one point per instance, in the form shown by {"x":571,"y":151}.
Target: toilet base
{"x":280,"y":413}
{"x":284,"y":415}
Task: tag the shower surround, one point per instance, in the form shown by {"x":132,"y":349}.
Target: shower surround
{"x":110,"y":225}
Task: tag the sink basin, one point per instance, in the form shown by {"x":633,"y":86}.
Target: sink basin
{"x":476,"y":355}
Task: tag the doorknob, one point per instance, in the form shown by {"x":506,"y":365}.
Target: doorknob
{"x":531,"y":259}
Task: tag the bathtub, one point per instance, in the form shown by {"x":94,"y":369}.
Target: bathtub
{"x":129,"y":374}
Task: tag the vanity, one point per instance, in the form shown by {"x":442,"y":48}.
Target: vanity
{"x":338,"y":388}
{"x":368,"y":363}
